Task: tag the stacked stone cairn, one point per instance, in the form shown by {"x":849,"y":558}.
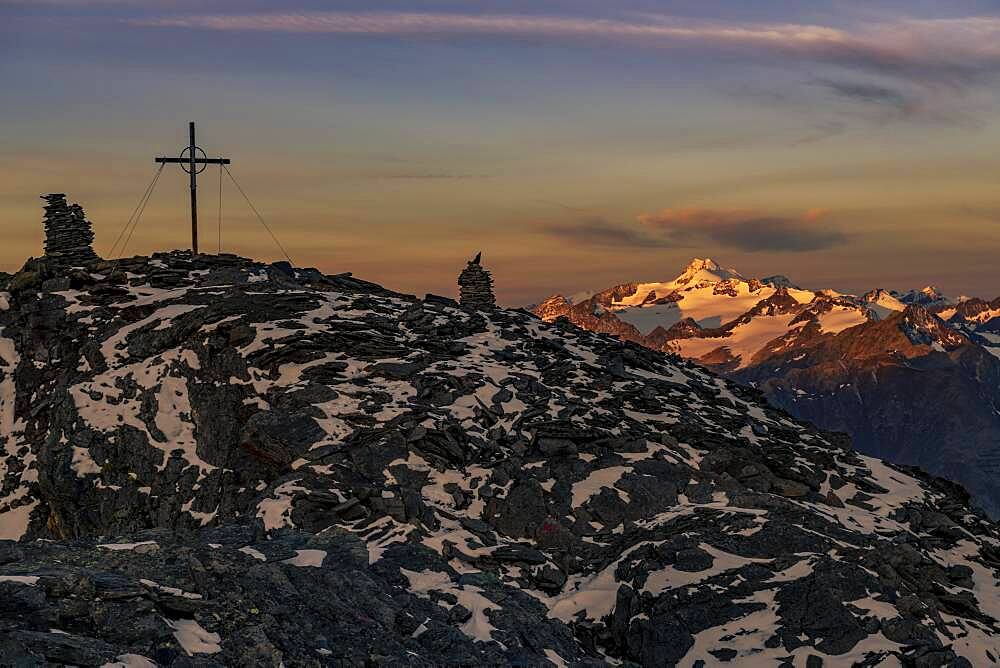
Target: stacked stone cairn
{"x":475,"y":286}
{"x":68,"y":235}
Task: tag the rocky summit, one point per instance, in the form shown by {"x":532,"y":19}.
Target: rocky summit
{"x":214,"y":462}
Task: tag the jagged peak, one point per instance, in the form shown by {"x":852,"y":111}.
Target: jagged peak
{"x":875,"y":294}
{"x":923,"y":326}
{"x":552,"y":307}
{"x":928,"y":295}
{"x":705,"y":270}
{"x":697,"y":264}
{"x":931,"y":291}
{"x":919,"y":315}
{"x":554,"y":299}
{"x":883,"y":298}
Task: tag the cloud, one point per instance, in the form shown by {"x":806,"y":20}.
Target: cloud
{"x":935,"y":48}
{"x":890,"y":70}
{"x":941,"y":103}
{"x":596,"y":231}
{"x":872,"y":94}
{"x":697,"y":227}
{"x":745,"y":230}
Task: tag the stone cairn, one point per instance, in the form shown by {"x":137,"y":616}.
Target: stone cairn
{"x":68,"y":235}
{"x":475,"y":286}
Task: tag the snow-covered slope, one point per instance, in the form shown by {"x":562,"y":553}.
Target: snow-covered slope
{"x":883,"y":303}
{"x":703,"y":292}
{"x":257,"y":465}
{"x":730,"y":312}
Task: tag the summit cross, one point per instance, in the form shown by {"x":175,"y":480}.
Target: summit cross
{"x":191,"y":163}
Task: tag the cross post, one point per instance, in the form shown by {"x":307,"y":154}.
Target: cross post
{"x":190,"y":163}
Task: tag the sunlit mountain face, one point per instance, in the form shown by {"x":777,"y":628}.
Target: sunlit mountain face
{"x":914,"y":376}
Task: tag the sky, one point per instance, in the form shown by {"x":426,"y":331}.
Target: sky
{"x":847,"y":145}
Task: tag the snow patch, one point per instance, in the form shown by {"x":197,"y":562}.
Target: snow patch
{"x":193,"y":638}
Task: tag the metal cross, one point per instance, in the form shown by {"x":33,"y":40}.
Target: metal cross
{"x":193,"y":165}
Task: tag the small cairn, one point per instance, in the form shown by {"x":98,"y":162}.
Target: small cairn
{"x":68,"y":235}
{"x":475,"y":286}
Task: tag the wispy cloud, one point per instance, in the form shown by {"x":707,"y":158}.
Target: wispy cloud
{"x":872,"y":94}
{"x":745,"y":230}
{"x":600,"y":232}
{"x":940,"y":47}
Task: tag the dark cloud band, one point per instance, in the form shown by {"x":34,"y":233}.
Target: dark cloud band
{"x":691,"y":228}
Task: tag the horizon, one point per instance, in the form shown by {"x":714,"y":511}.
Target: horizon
{"x":845,"y":145}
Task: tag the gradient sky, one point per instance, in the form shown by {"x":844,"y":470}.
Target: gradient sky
{"x":578,"y":144}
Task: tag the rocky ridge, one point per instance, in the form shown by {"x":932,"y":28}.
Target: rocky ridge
{"x":211,"y":461}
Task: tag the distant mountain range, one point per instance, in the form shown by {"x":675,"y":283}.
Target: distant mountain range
{"x":914,"y":377}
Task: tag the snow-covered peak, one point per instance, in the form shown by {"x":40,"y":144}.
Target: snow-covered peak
{"x":927,"y":296}
{"x":705,"y":292}
{"x":882,"y":303}
{"x":701,"y":271}
{"x":697,"y":264}
{"x":581,"y":296}
{"x":554,"y":306}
